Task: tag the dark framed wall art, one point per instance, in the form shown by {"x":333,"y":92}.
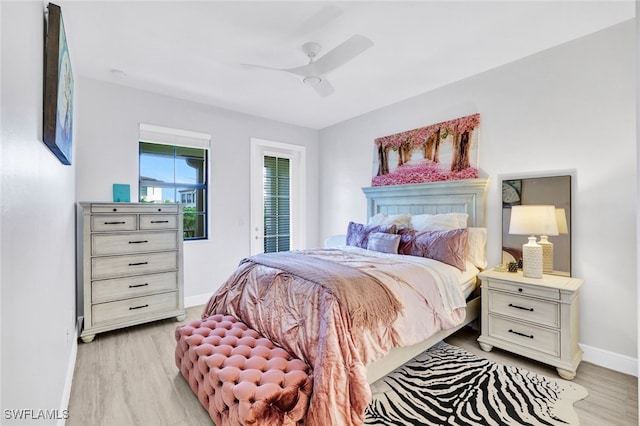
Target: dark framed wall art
{"x":58,"y":88}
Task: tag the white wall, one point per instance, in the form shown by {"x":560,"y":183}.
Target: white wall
{"x":570,"y":107}
{"x":38,"y":228}
{"x":108,"y":128}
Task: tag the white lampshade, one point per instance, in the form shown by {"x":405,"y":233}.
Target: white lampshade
{"x":533,"y":220}
{"x":561,"y":219}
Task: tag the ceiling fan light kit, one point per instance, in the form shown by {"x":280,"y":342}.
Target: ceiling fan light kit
{"x":312,"y":80}
{"x":313,"y":73}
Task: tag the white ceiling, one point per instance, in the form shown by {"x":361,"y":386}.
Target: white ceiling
{"x":194,"y":50}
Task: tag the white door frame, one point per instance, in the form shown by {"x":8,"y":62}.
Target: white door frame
{"x":297,"y":161}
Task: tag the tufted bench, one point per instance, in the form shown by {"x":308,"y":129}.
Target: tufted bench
{"x":240,"y":377}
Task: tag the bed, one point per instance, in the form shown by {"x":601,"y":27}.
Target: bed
{"x":467,"y":196}
{"x":351,"y":335}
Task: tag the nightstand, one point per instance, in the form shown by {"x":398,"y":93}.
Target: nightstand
{"x":532,"y":317}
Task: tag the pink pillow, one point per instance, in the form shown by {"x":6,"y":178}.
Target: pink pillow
{"x":358,"y":234}
{"x":444,"y":246}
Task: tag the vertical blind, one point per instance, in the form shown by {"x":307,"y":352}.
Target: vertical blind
{"x":277,"y":204}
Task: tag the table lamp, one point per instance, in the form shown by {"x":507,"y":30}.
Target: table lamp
{"x":547,"y":246}
{"x":533,"y":220}
{"x":561,"y":218}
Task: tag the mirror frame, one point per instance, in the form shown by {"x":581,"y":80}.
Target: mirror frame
{"x":547,"y":174}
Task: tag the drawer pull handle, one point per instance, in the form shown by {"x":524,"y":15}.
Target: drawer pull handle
{"x":530,"y":336}
{"x":520,"y":290}
{"x":520,"y":307}
{"x":138,"y":242}
{"x":138,"y":307}
{"x":159,"y":221}
{"x":115,"y":223}
{"x":138,"y":285}
{"x":138,"y":263}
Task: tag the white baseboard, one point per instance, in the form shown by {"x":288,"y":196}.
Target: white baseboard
{"x":66,"y":394}
{"x":200,"y":299}
{"x":611,"y":360}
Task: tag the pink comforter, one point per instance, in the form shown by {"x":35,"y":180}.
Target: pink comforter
{"x":311,"y":324}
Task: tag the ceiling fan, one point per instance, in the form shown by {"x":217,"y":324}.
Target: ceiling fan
{"x":313,"y":74}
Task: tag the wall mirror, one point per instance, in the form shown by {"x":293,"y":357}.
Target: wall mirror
{"x":532,"y":190}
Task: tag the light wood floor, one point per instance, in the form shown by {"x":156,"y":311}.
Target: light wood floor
{"x":129,"y":378}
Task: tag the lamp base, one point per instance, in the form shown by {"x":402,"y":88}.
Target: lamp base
{"x":547,"y":254}
{"x":532,"y":259}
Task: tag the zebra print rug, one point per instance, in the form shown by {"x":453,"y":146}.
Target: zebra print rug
{"x":447,"y":385}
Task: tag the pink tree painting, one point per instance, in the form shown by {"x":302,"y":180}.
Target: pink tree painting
{"x":443,"y":151}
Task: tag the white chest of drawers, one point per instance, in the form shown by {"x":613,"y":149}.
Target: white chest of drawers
{"x":130,"y":264}
{"x":533,"y":317}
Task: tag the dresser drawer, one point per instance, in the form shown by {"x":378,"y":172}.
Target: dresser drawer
{"x":158,"y":221}
{"x":138,"y":264}
{"x":542,"y":312}
{"x":124,"y":288}
{"x":526,"y":335}
{"x":105,"y":244}
{"x":130,"y":309}
{"x":526,"y":290}
{"x":134,"y":208}
{"x":116,"y":222}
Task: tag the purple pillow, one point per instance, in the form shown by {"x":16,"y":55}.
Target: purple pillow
{"x":383,"y":242}
{"x":448,"y":247}
{"x":358,"y":234}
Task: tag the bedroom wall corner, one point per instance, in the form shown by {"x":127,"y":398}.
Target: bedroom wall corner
{"x":37,"y":244}
{"x":638,"y":178}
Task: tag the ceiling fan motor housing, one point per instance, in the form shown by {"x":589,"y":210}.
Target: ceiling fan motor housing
{"x":311,"y":49}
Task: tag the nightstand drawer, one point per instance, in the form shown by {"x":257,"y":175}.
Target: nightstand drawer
{"x":526,"y":290}
{"x":525,"y":308}
{"x":138,"y":264}
{"x":121,"y":222}
{"x":123,"y":310}
{"x":123,"y":288}
{"x":526,"y":335}
{"x":106,"y":244}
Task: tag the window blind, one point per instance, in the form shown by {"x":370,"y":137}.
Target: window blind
{"x":277,"y":204}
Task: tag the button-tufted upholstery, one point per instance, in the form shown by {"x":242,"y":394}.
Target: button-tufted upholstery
{"x":240,"y":377}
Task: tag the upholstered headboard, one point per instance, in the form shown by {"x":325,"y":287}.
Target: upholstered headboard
{"x":455,"y":196}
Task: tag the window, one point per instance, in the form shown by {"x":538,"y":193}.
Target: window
{"x":278,"y":181}
{"x":172,"y":173}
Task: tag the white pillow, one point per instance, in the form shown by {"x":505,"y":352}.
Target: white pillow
{"x":477,"y":247}
{"x":400,"y":220}
{"x":439,"y":222}
{"x":334,"y":241}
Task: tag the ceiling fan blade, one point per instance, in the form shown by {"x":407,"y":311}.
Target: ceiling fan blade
{"x":262,"y":67}
{"x":340,"y":55}
{"x":324,"y":88}
{"x":302,"y":71}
